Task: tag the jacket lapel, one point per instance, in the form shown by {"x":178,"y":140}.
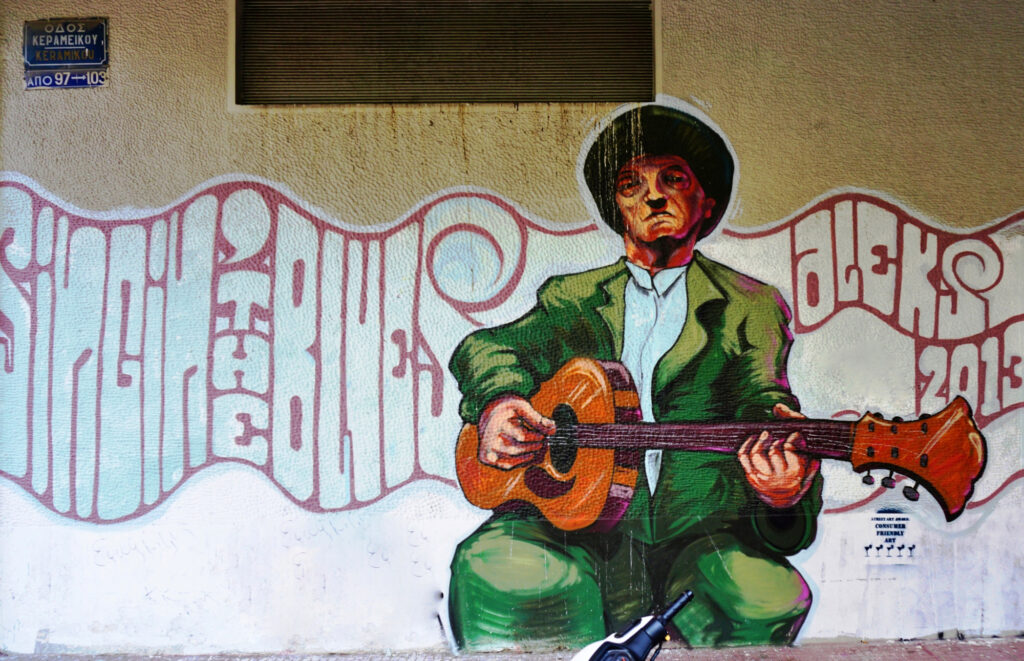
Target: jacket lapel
{"x":700,"y":289}
{"x":613,"y":310}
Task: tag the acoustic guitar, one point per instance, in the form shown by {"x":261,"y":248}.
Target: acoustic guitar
{"x":586,"y":476}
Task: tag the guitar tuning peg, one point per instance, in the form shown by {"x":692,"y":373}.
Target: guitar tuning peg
{"x":888,"y":481}
{"x":897,"y":418}
{"x":911,"y":493}
{"x":868,"y":479}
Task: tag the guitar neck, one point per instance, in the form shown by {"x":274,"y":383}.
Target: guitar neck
{"x":830,"y":439}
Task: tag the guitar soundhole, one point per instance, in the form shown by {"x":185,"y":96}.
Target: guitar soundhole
{"x":563,"y":441}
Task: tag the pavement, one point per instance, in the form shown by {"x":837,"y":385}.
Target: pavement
{"x":975,"y":649}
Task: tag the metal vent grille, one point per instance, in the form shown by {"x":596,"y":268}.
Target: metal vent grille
{"x":444,"y":51}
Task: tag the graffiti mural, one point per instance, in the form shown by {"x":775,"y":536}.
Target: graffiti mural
{"x":945,"y":315}
{"x":205,"y":392}
{"x":982,"y":360}
{"x":612,"y":363}
{"x":948,"y":292}
{"x":243,"y":328}
{"x":237,"y":326}
{"x":636,"y":434}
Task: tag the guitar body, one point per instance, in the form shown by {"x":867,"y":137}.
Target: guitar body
{"x":574,"y":487}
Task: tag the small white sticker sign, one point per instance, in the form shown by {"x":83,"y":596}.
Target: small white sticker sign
{"x":892,"y":538}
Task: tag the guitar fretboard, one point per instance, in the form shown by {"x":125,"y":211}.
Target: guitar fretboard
{"x":829,"y":439}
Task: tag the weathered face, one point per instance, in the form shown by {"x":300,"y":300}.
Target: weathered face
{"x":659,"y":197}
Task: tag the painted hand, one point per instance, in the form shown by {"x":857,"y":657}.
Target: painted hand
{"x":777,"y":469}
{"x":511,"y":432}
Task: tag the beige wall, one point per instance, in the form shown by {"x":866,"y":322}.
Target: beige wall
{"x":922,"y":101}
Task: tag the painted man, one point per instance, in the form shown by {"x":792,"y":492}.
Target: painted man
{"x":703,"y":343}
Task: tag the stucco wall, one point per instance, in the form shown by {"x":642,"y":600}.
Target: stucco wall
{"x":906,"y":117}
{"x":920,"y":101}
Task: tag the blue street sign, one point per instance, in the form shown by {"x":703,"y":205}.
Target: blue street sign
{"x":65,"y":52}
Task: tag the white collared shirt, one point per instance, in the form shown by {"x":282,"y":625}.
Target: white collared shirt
{"x":655,"y":313}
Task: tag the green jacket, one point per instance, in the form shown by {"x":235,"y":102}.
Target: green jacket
{"x":728,"y":364}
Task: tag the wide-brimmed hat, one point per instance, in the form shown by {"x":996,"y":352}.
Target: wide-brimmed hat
{"x":659,"y":130}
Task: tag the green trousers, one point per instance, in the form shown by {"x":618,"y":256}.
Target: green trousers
{"x":521,"y":581}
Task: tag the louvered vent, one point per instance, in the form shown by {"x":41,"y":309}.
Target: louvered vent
{"x":444,"y":51}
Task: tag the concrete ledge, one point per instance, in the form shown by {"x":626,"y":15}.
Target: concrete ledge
{"x":977,"y":649}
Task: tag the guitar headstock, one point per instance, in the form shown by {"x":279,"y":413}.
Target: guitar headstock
{"x":944,"y":452}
